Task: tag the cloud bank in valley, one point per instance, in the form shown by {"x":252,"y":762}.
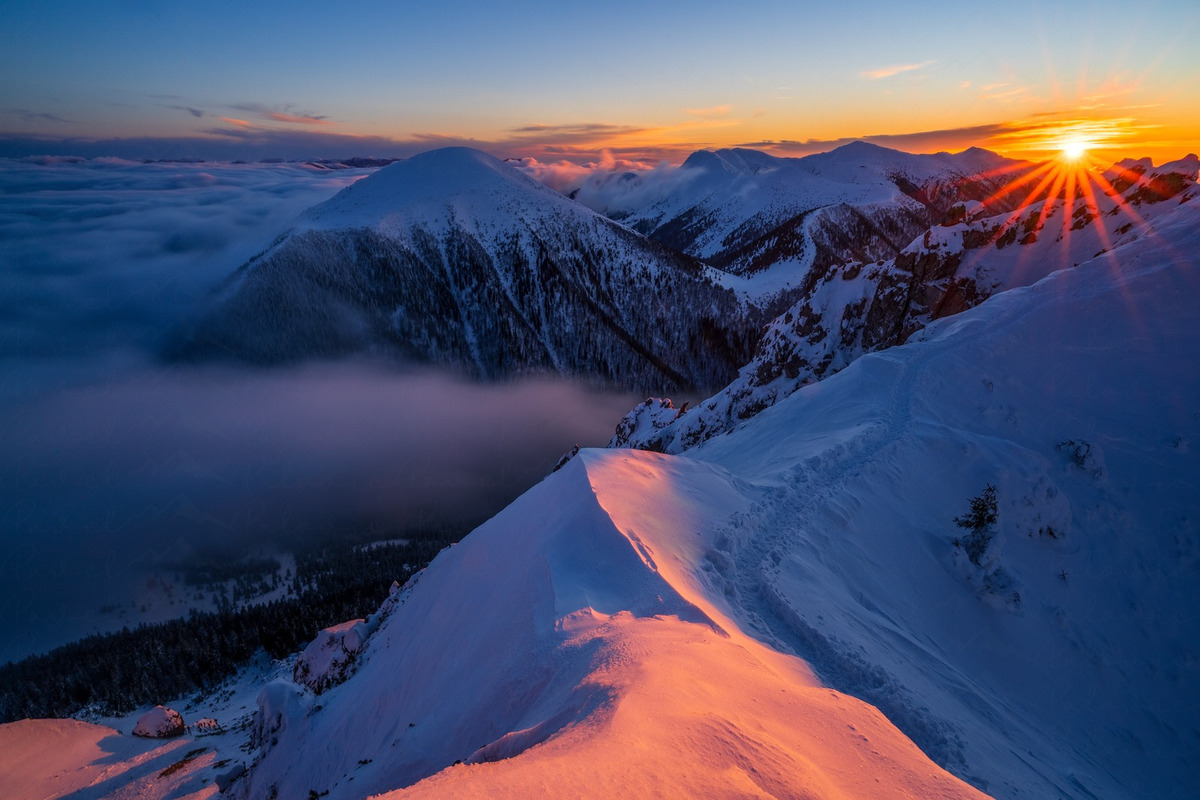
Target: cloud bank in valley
{"x":112,"y":465}
{"x":103,"y":481}
{"x":100,"y":256}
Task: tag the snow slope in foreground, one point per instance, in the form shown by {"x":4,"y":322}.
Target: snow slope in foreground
{"x":569,"y":648}
{"x":50,"y":758}
{"x":631,"y":625}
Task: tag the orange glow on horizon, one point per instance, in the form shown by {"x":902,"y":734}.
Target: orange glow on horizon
{"x":1069,"y":139}
{"x":1072,"y":137}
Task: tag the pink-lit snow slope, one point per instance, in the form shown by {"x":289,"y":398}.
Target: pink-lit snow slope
{"x":53,"y":758}
{"x":571,"y":647}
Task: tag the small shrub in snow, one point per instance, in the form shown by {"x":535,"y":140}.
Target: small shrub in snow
{"x":979,"y":521}
{"x":1083,"y":455}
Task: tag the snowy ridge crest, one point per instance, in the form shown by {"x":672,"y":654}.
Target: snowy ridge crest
{"x":615,"y":610}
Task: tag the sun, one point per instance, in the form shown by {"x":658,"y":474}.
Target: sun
{"x":1074,"y":149}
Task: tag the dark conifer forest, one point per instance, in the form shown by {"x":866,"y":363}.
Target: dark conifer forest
{"x":115,"y":673}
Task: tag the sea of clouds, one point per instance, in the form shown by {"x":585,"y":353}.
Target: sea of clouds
{"x":113,"y":464}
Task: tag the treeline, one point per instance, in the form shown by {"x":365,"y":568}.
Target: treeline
{"x":117,"y":672}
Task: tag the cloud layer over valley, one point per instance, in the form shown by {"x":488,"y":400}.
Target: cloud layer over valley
{"x":112,"y":464}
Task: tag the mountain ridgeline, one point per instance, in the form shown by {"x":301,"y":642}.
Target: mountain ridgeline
{"x":747,"y":212}
{"x":785,"y":269}
{"x":454,"y":257}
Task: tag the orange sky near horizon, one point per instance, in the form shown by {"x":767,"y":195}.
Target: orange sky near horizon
{"x":1034,"y":138}
{"x":644,"y":82}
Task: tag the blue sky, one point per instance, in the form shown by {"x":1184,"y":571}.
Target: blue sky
{"x":562,"y":80}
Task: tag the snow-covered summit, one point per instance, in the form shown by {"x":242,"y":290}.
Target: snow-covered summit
{"x":736,"y":160}
{"x":452,"y":183}
{"x":458,"y":258}
{"x":1189,"y":165}
{"x":878,"y":161}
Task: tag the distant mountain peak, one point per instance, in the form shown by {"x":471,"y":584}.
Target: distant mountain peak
{"x":425,"y":185}
{"x":861,"y":146}
{"x":736,"y":160}
{"x":455,"y":257}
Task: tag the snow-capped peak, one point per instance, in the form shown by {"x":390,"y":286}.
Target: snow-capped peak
{"x":736,"y":161}
{"x":432,"y":187}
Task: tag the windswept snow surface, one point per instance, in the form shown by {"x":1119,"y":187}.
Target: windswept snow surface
{"x":1067,"y":664}
{"x":644,"y":624}
{"x":571,"y":647}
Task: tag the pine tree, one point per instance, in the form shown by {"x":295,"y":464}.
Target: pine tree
{"x":979,"y":521}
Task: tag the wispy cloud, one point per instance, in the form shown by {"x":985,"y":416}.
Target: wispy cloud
{"x":282,"y":114}
{"x":241,"y":123}
{"x":571,"y":129}
{"x":195,"y":112}
{"x":38,"y":116}
{"x":888,"y":72}
{"x":298,"y":119}
{"x":592,"y":135}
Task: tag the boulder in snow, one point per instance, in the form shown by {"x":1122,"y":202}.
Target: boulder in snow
{"x":329,"y":659}
{"x":159,"y":722}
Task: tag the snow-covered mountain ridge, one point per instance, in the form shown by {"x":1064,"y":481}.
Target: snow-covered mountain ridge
{"x":850,"y":309}
{"x":774,"y":219}
{"x":454,"y":257}
{"x":789,"y":609}
{"x":563,"y":676}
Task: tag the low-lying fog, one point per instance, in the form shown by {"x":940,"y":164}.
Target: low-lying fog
{"x":112,"y":466}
